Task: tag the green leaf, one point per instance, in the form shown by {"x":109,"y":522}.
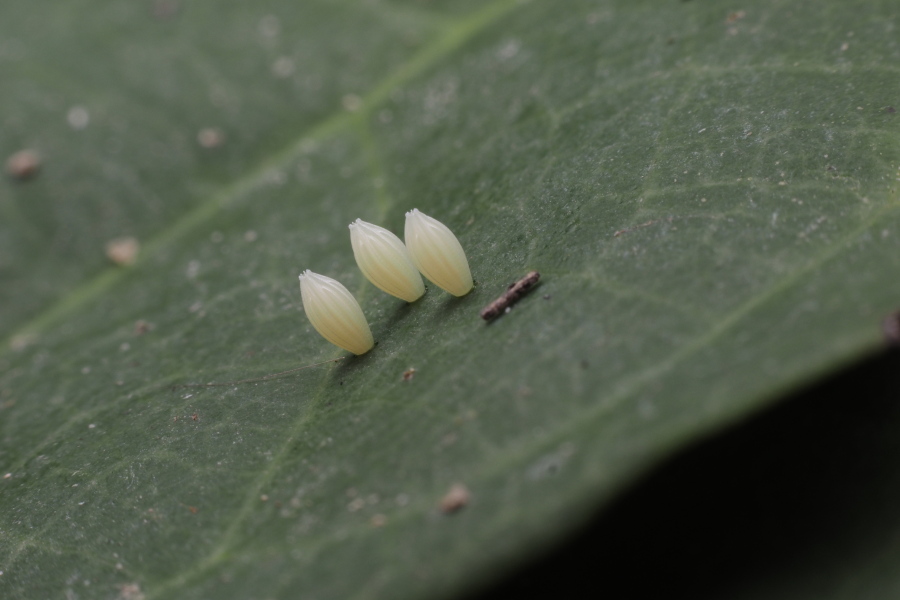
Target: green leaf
{"x":709,"y":196}
{"x":796,"y":503}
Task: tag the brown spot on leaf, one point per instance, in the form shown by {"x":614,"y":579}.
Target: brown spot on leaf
{"x":455,"y":499}
{"x":123,"y":251}
{"x":23,"y":165}
{"x":210,"y":138}
{"x":130,"y":591}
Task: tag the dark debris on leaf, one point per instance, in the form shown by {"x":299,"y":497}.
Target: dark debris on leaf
{"x":891,"y":329}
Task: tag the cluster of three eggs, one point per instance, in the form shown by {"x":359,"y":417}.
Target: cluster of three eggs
{"x":393,"y":267}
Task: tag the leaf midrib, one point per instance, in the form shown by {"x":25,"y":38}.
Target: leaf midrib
{"x":504,"y":462}
{"x":453,"y":38}
{"x":338,"y":122}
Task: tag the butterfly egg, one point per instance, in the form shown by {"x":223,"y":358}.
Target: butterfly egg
{"x":385,"y":261}
{"x":437,"y":253}
{"x":335,"y":313}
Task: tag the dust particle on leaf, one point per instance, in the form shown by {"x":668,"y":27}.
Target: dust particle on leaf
{"x":283,"y":67}
{"x":351,"y":102}
{"x":269,"y":26}
{"x":141,"y":327}
{"x":378,"y":520}
{"x":23,"y":165}
{"x":210,"y":137}
{"x":123,"y":251}
{"x":455,"y":499}
{"x":21,"y":341}
{"x":78,"y":117}
{"x":165,"y":9}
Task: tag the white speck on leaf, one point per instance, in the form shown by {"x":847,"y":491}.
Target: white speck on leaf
{"x":509,"y":49}
{"x":351,"y":102}
{"x":283,"y":67}
{"x":269,"y":26}
{"x":78,"y":117}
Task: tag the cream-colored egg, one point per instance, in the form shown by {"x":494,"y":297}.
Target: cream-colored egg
{"x":385,"y":261}
{"x":437,"y":253}
{"x":335,"y":313}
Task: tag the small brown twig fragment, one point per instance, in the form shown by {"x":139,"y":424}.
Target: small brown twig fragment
{"x":512,"y":295}
{"x":455,"y":499}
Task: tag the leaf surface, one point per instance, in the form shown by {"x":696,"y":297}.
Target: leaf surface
{"x":709,"y":196}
